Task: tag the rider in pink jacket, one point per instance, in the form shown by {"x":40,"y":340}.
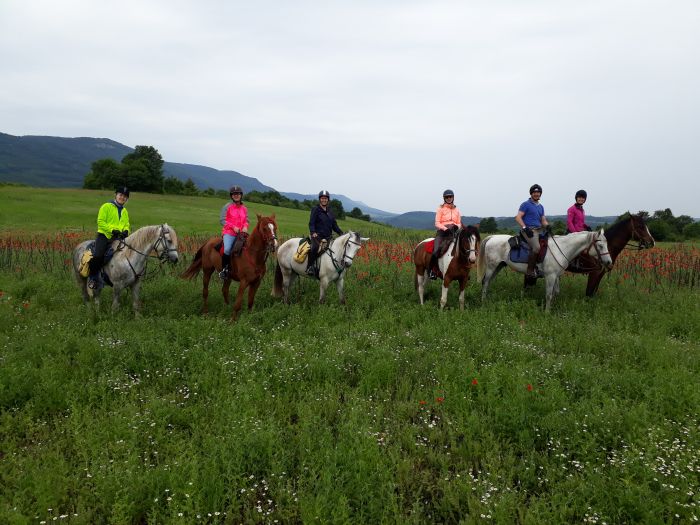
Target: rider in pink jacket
{"x":447,"y":220}
{"x":234,"y":220}
{"x":576,"y":216}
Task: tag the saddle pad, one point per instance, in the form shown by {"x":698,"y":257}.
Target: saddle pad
{"x":520,"y":255}
{"x":302,"y":251}
{"x":429,"y":246}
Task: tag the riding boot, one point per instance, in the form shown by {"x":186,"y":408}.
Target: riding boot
{"x":531,"y":262}
{"x":310,"y":268}
{"x":432,"y":266}
{"x":225,"y":264}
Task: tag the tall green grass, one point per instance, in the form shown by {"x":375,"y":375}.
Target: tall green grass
{"x":379,"y":411}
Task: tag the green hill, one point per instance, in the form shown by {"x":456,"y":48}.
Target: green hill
{"x":43,"y":210}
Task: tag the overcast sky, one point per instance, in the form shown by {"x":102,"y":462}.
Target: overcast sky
{"x":388,"y":102}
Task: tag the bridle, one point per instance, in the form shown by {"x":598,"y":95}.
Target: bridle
{"x":465,"y":253}
{"x":162,"y":256}
{"x":641,"y":243}
{"x":593,"y":244}
{"x":269,"y":241}
{"x":340,"y":266}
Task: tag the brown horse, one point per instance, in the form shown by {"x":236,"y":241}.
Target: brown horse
{"x":248,"y":268}
{"x":618,"y":236}
{"x":454,"y":264}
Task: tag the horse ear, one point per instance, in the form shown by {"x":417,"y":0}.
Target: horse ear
{"x":258,"y":216}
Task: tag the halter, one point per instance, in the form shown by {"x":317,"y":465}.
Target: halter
{"x":162,"y":256}
{"x":340,"y":266}
{"x":593,"y":244}
{"x":466,"y":252}
{"x":269,"y":245}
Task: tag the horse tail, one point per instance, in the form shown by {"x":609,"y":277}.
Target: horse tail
{"x":481,"y":261}
{"x":195,"y":267}
{"x":277,"y":286}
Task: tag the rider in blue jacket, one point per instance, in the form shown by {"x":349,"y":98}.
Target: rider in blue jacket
{"x":322,"y":224}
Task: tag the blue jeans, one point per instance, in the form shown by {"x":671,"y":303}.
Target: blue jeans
{"x":228,"y":243}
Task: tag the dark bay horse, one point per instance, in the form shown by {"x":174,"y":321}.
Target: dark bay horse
{"x":618,"y":236}
{"x":248,"y":268}
{"x":454,"y":264}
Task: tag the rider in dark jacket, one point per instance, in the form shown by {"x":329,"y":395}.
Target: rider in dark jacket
{"x":322,"y":224}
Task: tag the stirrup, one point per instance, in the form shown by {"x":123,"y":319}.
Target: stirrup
{"x":223,"y":274}
{"x":93,"y":284}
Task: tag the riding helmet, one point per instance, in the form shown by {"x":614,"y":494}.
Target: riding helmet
{"x":122,"y":189}
{"x":581,"y":193}
{"x":448,"y":193}
{"x":324,"y":193}
{"x":235,"y":189}
{"x":534,"y":188}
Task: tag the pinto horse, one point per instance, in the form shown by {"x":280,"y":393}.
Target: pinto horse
{"x":248,"y":268}
{"x":454,"y":264}
{"x":618,"y":236}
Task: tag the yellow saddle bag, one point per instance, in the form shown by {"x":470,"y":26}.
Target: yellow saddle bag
{"x":84,"y":267}
{"x":302,"y":252}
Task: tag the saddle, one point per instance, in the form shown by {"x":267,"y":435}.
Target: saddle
{"x":302,"y":250}
{"x":520,"y":249}
{"x":84,"y":268}
{"x":238,"y":245}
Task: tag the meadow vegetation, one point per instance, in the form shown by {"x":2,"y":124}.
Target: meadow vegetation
{"x":378,"y":411}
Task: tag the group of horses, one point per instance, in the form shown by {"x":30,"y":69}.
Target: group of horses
{"x":591,"y":253}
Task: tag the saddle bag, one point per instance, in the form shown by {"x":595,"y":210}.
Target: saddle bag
{"x":84,"y":268}
{"x":302,"y":251}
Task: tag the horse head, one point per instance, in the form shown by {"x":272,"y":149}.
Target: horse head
{"x":641,"y":233}
{"x":267,"y":228}
{"x":599,"y":249}
{"x":469,"y":241}
{"x":167,"y":241}
{"x":351,"y":242}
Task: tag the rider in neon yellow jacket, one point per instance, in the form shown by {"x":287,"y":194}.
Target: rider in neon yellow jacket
{"x":112,"y":224}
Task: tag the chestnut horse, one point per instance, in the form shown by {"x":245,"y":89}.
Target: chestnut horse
{"x":618,"y":236}
{"x":454,"y":264}
{"x":248,"y":268}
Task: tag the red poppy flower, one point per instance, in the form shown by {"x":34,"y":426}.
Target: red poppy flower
{"x":422,"y":402}
{"x":439,"y":399}
{"x":474,"y":381}
{"x":529,"y":387}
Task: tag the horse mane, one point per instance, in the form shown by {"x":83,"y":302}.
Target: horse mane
{"x":143,"y":236}
{"x":614,"y":230}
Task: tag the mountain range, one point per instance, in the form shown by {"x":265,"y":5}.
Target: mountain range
{"x":61,"y":162}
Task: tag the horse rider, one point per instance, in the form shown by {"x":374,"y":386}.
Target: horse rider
{"x":322,"y":224}
{"x":234,"y":220}
{"x":112,"y":224}
{"x":447,"y":220}
{"x":576,"y":216}
{"x":533,"y":222}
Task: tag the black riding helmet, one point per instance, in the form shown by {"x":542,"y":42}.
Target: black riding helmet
{"x":324,"y":193}
{"x":122,"y":189}
{"x":581,"y":193}
{"x":534,"y":188}
{"x":448,"y":193}
{"x":235,"y":189}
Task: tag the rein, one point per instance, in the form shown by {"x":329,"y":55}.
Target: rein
{"x":568,"y":261}
{"x":269,"y":248}
{"x":162,"y":256}
{"x":340,"y":266}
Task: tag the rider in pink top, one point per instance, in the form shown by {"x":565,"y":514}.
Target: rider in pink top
{"x":576,"y":216}
{"x":234,"y":220}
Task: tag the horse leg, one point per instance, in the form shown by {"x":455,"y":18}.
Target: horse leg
{"x":288,"y":278}
{"x":551,"y":284}
{"x":445,"y":287}
{"x":115,"y":298}
{"x":135,"y":292}
{"x":206,"y":277}
{"x":462,"y":286}
{"x":324,"y":282}
{"x":225,"y":290}
{"x":252,"y":290}
{"x":340,"y":285}
{"x":239,"y":300}
{"x":420,"y":280}
{"x":594,"y":279}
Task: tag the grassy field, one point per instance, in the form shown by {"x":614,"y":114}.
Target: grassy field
{"x":381,"y":411}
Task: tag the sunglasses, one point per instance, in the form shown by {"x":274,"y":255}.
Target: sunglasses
{"x":236,"y":193}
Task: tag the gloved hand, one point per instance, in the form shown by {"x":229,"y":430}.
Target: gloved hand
{"x":528,"y":232}
{"x":587,"y":228}
{"x":548,"y":229}
{"x":116,"y":234}
{"x":124,"y":234}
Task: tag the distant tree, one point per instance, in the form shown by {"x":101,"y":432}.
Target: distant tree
{"x":209,"y":192}
{"x":356,"y":213}
{"x":660,"y":230}
{"x":174,"y":186}
{"x":104,"y":174}
{"x":190,"y":188}
{"x":488,"y":225}
{"x":337,"y":208}
{"x":692,"y":231}
{"x":135,"y":175}
{"x":558,"y":227}
{"x":154,"y":166}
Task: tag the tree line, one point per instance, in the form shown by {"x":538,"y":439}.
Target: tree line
{"x":142,"y":170}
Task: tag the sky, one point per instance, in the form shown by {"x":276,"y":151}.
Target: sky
{"x":387,"y":102}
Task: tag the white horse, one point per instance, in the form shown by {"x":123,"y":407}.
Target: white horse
{"x":561,"y":250}
{"x":333,"y":263}
{"x":128,"y":264}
